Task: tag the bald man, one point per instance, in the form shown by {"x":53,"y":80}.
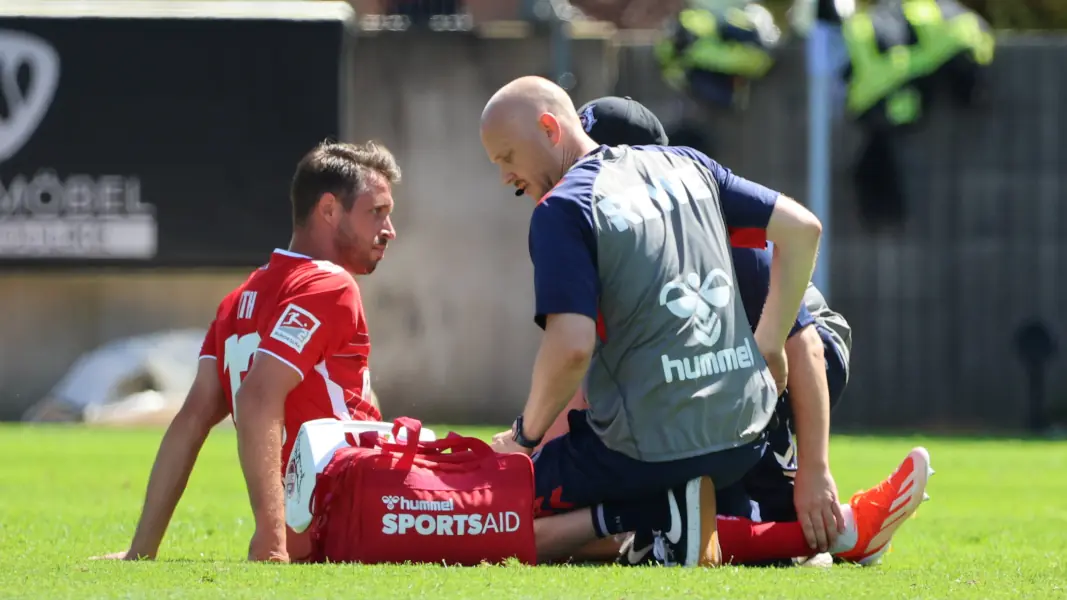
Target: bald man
{"x":632,"y":246}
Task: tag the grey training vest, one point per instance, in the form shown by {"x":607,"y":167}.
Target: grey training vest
{"x":679,"y":374}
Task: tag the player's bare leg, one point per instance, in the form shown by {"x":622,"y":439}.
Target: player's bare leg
{"x":559,"y":536}
{"x":600,"y":551}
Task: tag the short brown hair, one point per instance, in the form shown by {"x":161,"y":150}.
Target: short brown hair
{"x":340,"y":169}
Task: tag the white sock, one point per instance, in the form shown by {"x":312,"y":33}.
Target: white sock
{"x":847,"y":540}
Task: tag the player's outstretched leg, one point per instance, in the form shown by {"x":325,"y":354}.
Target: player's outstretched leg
{"x":880,"y":511}
{"x":872,"y":518}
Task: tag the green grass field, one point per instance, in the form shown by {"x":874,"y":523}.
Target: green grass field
{"x":996,"y":527}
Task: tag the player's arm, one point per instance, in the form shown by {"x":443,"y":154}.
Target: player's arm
{"x":809,"y":391}
{"x":815,"y":495}
{"x":310,"y":322}
{"x":815,"y":492}
{"x":260,"y":409}
{"x":566,"y":293}
{"x":204,"y":407}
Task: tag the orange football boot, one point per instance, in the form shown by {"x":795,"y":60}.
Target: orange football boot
{"x":880,"y":511}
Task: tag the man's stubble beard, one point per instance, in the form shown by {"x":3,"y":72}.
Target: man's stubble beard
{"x":357,"y":260}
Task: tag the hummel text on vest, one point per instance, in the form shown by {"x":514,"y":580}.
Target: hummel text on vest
{"x":709,"y":363}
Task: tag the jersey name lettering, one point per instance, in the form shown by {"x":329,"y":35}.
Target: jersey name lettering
{"x":246,"y":305}
{"x":635,"y":205}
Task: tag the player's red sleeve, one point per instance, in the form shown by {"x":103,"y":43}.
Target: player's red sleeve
{"x":312,"y":321}
{"x":208,"y":349}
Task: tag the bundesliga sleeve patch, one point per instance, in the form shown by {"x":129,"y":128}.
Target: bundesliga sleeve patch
{"x":295,"y":327}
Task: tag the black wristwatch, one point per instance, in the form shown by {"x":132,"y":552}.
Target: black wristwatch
{"x":520,"y":439}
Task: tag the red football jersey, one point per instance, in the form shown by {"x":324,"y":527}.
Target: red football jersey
{"x":308,"y":314}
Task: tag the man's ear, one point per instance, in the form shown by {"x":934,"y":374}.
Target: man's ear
{"x":329,"y":208}
{"x":549,"y":124}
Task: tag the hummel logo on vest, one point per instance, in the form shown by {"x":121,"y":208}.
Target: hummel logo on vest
{"x":698,"y":303}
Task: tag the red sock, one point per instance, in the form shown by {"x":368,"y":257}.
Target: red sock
{"x":745,"y":541}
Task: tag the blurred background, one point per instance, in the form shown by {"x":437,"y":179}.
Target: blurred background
{"x":146,"y":149}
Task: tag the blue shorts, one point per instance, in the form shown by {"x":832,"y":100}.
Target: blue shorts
{"x":576,"y":470}
{"x":769,"y":485}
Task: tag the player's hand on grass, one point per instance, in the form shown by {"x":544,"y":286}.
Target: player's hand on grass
{"x":818,"y":509}
{"x":267,"y":547}
{"x":504,"y":443}
{"x":124,"y":555}
{"x":112,"y":556}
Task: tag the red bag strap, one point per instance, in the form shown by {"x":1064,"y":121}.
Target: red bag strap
{"x":413,"y":447}
{"x":458,"y":443}
{"x":414,"y":427}
{"x":409,"y":449}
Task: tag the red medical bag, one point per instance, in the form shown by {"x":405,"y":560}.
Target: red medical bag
{"x":453,"y":501}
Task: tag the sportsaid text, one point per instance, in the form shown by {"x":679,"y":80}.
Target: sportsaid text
{"x":454,"y":524}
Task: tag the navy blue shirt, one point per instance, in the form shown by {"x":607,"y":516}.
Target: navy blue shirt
{"x":563,"y":243}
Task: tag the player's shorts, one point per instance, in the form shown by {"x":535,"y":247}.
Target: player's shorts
{"x":576,"y":470}
{"x":770,"y":483}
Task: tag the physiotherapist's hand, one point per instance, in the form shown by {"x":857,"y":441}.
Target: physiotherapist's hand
{"x":504,"y":443}
{"x":818,"y":509}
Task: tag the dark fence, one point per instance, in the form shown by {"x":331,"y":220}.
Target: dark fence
{"x":937,"y":306}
